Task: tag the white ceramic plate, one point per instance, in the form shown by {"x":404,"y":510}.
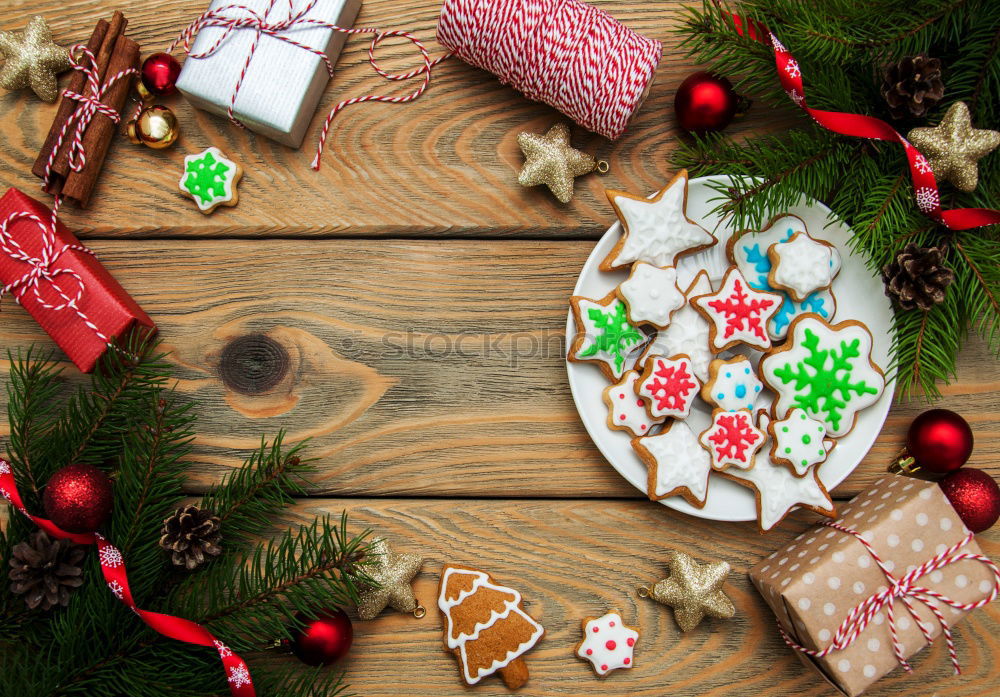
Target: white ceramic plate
{"x":859,"y":296}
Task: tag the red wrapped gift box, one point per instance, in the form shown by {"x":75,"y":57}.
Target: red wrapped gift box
{"x":62,"y":285}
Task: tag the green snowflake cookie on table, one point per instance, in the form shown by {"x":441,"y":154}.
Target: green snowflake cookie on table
{"x":825,"y":370}
{"x":604,"y":334}
{"x":210,"y":179}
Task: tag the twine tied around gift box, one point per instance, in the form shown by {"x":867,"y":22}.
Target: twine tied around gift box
{"x":905,"y":589}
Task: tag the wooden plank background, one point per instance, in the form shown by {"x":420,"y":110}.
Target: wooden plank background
{"x":404,"y":308}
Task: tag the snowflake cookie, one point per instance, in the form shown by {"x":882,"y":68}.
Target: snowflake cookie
{"x":737,"y":313}
{"x":732,"y":384}
{"x":749,"y":253}
{"x":607,"y":643}
{"x":626,"y":411}
{"x":651,"y":294}
{"x":210,"y":179}
{"x":732,"y":439}
{"x":655,"y":230}
{"x":802,"y":265}
{"x":603,"y":334}
{"x":825,"y":370}
{"x":676,"y":464}
{"x":668,"y":386}
{"x":687,"y":333}
{"x":799,"y":442}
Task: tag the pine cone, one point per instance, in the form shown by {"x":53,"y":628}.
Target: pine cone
{"x":912,"y":86}
{"x":191,"y":535}
{"x":918,"y":277}
{"x":46,"y":571}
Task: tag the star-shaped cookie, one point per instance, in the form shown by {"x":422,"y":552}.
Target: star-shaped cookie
{"x":608,"y":643}
{"x":551,"y":160}
{"x":687,"y":333}
{"x":393,"y":573}
{"x":655,"y":230}
{"x":694,"y":590}
{"x":802,"y":265}
{"x":676,"y":462}
{"x":953,"y":148}
{"x":738,"y":314}
{"x":32,"y":59}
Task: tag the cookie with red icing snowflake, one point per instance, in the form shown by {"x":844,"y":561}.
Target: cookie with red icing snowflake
{"x":626,"y":411}
{"x":732,"y":439}
{"x":737,"y":313}
{"x":608,"y":643}
{"x":668,"y":386}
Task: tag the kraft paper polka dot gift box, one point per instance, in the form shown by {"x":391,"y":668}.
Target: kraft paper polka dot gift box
{"x":832,"y":598}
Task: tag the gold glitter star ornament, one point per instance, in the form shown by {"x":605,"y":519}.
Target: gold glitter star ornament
{"x":550,"y":160}
{"x":393,"y":573}
{"x":953,"y":148}
{"x":31,"y":59}
{"x":693,"y":590}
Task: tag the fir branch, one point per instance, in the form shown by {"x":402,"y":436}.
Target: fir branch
{"x":34,"y":384}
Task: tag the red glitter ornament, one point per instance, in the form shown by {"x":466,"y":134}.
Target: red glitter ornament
{"x":78,"y":498}
{"x":975,"y":497}
{"x":939,"y":441}
{"x":325,"y":639}
{"x":159,"y":73}
{"x":705,"y":102}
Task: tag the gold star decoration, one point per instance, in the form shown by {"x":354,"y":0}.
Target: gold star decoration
{"x":31,"y":59}
{"x":550,"y":160}
{"x":693,"y":590}
{"x":393,"y":573}
{"x":953,"y":148}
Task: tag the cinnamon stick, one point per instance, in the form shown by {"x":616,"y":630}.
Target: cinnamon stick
{"x":100,"y":133}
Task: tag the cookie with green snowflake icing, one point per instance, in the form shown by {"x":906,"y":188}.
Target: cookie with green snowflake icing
{"x":825,"y":370}
{"x":603,"y":334}
{"x":210,"y":179}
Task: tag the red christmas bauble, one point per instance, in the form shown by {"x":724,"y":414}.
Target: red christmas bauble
{"x":940,"y":441}
{"x":975,"y":497}
{"x":78,"y":498}
{"x":705,"y":102}
{"x":159,"y":73}
{"x":324,"y":639}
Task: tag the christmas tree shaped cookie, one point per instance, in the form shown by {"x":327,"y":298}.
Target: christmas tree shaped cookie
{"x":485,"y":625}
{"x":210,"y":179}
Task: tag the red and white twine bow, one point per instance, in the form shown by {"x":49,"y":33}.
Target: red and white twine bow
{"x":236,"y":17}
{"x":925,"y":186}
{"x":905,"y":589}
{"x":113,"y":569}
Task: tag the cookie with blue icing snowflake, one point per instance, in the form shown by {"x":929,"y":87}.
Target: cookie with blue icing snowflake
{"x":802,"y":265}
{"x":210,"y":179}
{"x":732,"y":384}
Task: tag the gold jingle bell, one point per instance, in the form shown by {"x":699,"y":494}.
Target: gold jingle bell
{"x":155,"y":127}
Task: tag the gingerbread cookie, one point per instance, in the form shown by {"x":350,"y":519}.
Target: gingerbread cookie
{"x":485,"y":625}
{"x":651,"y":294}
{"x":603,"y":334}
{"x":210,"y":179}
{"x":802,"y":265}
{"x":668,"y":386}
{"x":799,"y":442}
{"x":749,"y":253}
{"x":825,"y":370}
{"x":607,"y":643}
{"x":655,"y":230}
{"x":676,"y":464}
{"x":732,"y":384}
{"x":738,"y":314}
{"x":732,"y":439}
{"x":688,"y":332}
{"x":626,"y":411}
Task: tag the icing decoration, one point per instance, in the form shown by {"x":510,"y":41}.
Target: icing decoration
{"x":803,"y":265}
{"x":738,"y":313}
{"x":651,"y":294}
{"x":825,"y":370}
{"x":626,"y":411}
{"x":668,"y":386}
{"x":733,"y":384}
{"x":732,"y":439}
{"x":655,"y":230}
{"x":606,"y":336}
{"x":607,"y":643}
{"x":676,"y":462}
{"x":210,"y":179}
{"x":687,"y":333}
{"x":485,"y":624}
{"x":798,"y":441}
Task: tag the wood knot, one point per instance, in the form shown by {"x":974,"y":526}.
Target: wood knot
{"x":253,"y":364}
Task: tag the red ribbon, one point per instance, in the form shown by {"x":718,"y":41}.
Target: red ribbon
{"x":924,"y":184}
{"x":113,"y":568}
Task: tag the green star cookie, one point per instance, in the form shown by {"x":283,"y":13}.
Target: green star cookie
{"x":210,"y":179}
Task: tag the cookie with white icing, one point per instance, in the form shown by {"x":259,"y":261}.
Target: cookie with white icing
{"x":655,"y":230}
{"x":688,"y":332}
{"x":604,"y":334}
{"x":668,"y":386}
{"x":826,"y":370}
{"x":802,"y":265}
{"x":651,"y":294}
{"x":732,"y":384}
{"x":608,"y":643}
{"x":626,"y":410}
{"x":732,"y":440}
{"x":738,"y":314}
{"x":676,"y":464}
{"x":799,"y":442}
{"x":210,"y":179}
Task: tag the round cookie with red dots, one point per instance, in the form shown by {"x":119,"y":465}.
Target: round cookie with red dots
{"x":608,"y":643}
